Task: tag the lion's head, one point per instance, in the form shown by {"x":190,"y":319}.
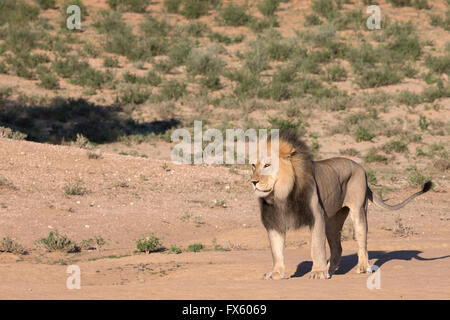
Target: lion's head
{"x":278,"y":178}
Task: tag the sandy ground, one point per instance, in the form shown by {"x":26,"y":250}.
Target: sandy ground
{"x":131,"y":196}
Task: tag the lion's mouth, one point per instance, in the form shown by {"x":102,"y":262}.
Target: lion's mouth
{"x":262,"y":193}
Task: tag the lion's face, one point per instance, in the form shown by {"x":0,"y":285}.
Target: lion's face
{"x":268,"y":178}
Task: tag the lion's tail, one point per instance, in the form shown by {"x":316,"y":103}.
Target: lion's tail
{"x":375,"y":199}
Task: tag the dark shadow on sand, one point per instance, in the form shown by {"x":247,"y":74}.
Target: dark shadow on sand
{"x":348,"y":262}
{"x":61,"y":120}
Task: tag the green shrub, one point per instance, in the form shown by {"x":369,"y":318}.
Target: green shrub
{"x":75,"y":189}
{"x":371,"y":177}
{"x":21,"y":40}
{"x":409,"y":98}
{"x":211,"y":81}
{"x":394,"y":145}
{"x":110,"y":22}
{"x":350,"y":152}
{"x":57,"y":242}
{"x":48,"y":80}
{"x":439,"y":64}
{"x":312,"y":20}
{"x":175,"y":249}
{"x":134,"y":94}
{"x":336,"y":73}
{"x":194,"y":9}
{"x":173,"y":89}
{"x":111,"y":62}
{"x":416,"y":178}
{"x":195,"y":29}
{"x":324,"y":8}
{"x":201,"y":61}
{"x":287,"y":125}
{"x":373,"y":78}
{"x":179,"y":51}
{"x":129,"y":5}
{"x":152,"y":27}
{"x":268,"y":7}
{"x":46,"y":4}
{"x":234,"y":16}
{"x":401,"y":3}
{"x":257,"y":57}
{"x":363,"y":134}
{"x":68,"y":66}
{"x":12,"y":246}
{"x":17,"y":12}
{"x":374,"y":156}
{"x":149,"y":244}
{"x":259,"y":25}
{"x":172,"y":6}
{"x":93,"y":243}
{"x":92,"y":78}
{"x":195,"y":247}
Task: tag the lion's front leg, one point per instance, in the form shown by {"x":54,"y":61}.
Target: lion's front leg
{"x":318,"y":243}
{"x":277,"y":239}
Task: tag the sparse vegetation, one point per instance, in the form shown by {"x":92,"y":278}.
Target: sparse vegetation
{"x":10,"y":245}
{"x":75,"y":188}
{"x":56,"y":242}
{"x":149,"y":244}
{"x":195,"y":247}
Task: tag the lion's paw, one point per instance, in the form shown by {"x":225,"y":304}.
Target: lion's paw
{"x":363,"y":269}
{"x":274,"y":275}
{"x":319,"y":275}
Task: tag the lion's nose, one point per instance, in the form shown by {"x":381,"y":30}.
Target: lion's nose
{"x":255,"y":182}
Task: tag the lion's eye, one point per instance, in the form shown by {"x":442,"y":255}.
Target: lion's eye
{"x":267,"y":165}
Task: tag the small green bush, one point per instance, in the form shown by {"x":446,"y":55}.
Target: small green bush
{"x":173,"y":89}
{"x":134,"y":94}
{"x":324,"y":8}
{"x":93,"y":243}
{"x":194,"y":9}
{"x":287,"y":125}
{"x":46,"y":4}
{"x":111,"y":62}
{"x":374,"y":156}
{"x":268,"y":7}
{"x":374,"y":78}
{"x":12,"y":246}
{"x":416,"y":178}
{"x":312,"y":20}
{"x":57,"y":242}
{"x":336,"y":73}
{"x":172,"y":6}
{"x":149,"y":244}
{"x":363,"y":134}
{"x":17,"y":12}
{"x":75,"y":188}
{"x":195,"y":247}
{"x":234,"y":16}
{"x":175,"y":249}
{"x":179,"y":51}
{"x":394,"y":145}
{"x":203,"y":62}
{"x":48,"y":80}
{"x":371,"y":177}
{"x":138,"y":6}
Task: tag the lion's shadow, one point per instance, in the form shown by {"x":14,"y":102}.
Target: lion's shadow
{"x":348,"y":262}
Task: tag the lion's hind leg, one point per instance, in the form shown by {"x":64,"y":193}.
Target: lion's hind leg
{"x":333,"y":230}
{"x":359,"y":218}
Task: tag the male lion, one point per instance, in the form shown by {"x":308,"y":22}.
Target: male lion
{"x":318,"y":194}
